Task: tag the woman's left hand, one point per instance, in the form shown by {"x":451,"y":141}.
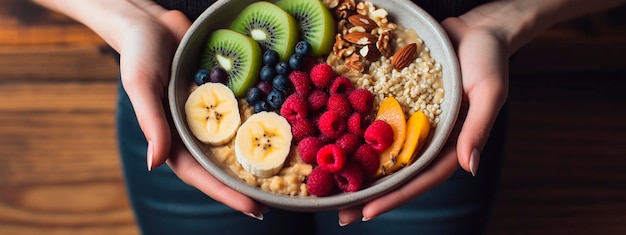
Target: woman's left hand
{"x":483,"y":54}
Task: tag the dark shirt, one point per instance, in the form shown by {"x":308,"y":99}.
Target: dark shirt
{"x":439,"y":9}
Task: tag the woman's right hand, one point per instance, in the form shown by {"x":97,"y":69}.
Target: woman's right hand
{"x":146,"y":53}
{"x":146,"y":36}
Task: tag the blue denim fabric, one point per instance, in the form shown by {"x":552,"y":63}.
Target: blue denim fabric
{"x":163,"y":204}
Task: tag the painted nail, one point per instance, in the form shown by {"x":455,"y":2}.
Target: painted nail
{"x":474,"y":159}
{"x":149,"y":159}
{"x":256,"y":216}
{"x":342,"y":224}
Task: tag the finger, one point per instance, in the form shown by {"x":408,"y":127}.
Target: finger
{"x":484,"y":104}
{"x":176,"y":22}
{"x":192,"y":173}
{"x":145,"y":88}
{"x":455,"y":28}
{"x":438,"y":171}
{"x":485,"y":82}
{"x":145,"y":72}
{"x":349,"y":215}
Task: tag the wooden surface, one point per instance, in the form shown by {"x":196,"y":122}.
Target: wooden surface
{"x":60,"y":171}
{"x":565,"y":172}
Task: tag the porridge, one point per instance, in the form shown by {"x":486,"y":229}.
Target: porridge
{"x":340,"y":121}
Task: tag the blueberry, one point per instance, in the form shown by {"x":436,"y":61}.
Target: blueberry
{"x":218,"y":75}
{"x":281,"y":83}
{"x":202,"y":76}
{"x":275,"y":99}
{"x":260,"y":106}
{"x":296,"y":62}
{"x":254,"y":95}
{"x":267,"y":73}
{"x":283,"y":68}
{"x":303,"y":48}
{"x":265,"y":87}
{"x":270,"y":57}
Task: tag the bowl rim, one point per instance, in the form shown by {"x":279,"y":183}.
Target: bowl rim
{"x":342,"y":200}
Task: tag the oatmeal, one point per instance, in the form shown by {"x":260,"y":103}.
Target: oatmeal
{"x":289,"y":181}
{"x":418,"y":87}
{"x":372,"y":60}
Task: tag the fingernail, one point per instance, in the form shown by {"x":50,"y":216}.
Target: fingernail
{"x":258,"y":216}
{"x":365,"y":219}
{"x":342,"y":224}
{"x":149,"y":159}
{"x":474,"y":159}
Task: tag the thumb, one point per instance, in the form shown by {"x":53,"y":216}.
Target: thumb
{"x":146,"y":91}
{"x":484,"y":68}
{"x":176,"y":22}
{"x":486,"y":90}
{"x":482,"y":112}
{"x":144,"y":66}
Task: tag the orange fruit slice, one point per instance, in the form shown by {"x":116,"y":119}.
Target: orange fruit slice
{"x":418,"y":128}
{"x":391,"y":112}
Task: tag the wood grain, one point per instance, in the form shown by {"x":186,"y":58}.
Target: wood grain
{"x":60,"y":171}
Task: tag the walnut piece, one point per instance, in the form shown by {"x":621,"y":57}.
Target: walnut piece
{"x":345,"y":9}
{"x":364,"y":33}
{"x":331,"y":3}
{"x":354,"y":63}
{"x":383,"y":44}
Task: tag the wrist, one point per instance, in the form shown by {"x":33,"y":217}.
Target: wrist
{"x":516,"y":22}
{"x":107,"y":18}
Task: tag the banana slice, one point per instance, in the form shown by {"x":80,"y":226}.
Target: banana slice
{"x":263,"y":143}
{"x":213,"y":113}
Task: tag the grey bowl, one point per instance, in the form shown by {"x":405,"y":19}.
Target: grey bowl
{"x":403,"y":12}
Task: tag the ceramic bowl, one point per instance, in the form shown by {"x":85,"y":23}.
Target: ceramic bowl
{"x":403,"y":12}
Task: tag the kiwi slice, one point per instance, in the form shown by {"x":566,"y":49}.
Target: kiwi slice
{"x":272,"y":27}
{"x":316,"y":24}
{"x":236,"y":53}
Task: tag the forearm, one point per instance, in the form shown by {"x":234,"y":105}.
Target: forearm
{"x":518,"y":21}
{"x":107,"y":18}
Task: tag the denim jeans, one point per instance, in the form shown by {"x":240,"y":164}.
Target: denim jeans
{"x":163,"y":204}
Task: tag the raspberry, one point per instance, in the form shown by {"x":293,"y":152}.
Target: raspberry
{"x":350,"y":178}
{"x":325,"y":139}
{"x":322,"y":75}
{"x":321,"y":182}
{"x":317,"y":100}
{"x":379,"y":135}
{"x":339,"y":104}
{"x":331,"y":124}
{"x":348,"y":142}
{"x":341,"y":85}
{"x":294,"y":108}
{"x":361,"y":100}
{"x":307,"y":149}
{"x":357,"y":124}
{"x":367,"y":158}
{"x":301,"y":129}
{"x":331,"y":158}
{"x":301,"y":82}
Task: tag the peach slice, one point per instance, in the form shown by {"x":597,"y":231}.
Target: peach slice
{"x":418,"y":128}
{"x":391,"y":112}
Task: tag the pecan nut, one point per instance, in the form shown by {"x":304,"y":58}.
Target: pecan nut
{"x":370,"y":53}
{"x":360,"y":38}
{"x":363,"y":21}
